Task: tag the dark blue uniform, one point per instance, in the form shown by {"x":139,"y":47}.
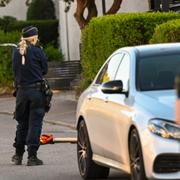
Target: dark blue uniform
{"x":30,"y":98}
{"x":35,"y":66}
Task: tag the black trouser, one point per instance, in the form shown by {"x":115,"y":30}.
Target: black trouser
{"x":29,"y":115}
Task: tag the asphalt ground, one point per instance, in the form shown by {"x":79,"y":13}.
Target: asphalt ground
{"x":62,"y":111}
{"x":60,"y":160}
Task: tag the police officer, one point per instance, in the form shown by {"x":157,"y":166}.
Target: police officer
{"x":29,"y":67}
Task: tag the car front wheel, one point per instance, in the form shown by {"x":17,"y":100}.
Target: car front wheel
{"x":136,"y":158}
{"x":87,"y":168}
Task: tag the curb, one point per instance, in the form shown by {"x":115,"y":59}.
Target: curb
{"x":60,"y":123}
{"x":7,"y":113}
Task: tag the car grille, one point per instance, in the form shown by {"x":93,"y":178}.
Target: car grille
{"x":167,"y":163}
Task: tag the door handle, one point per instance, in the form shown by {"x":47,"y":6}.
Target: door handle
{"x":106,"y":99}
{"x":89,"y":97}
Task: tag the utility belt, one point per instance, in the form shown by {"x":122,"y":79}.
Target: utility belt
{"x":37,"y":85}
{"x":41,"y":86}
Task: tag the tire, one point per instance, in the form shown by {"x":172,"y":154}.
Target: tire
{"x":87,"y":167}
{"x":136,"y":157}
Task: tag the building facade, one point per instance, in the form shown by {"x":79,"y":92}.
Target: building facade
{"x":69,"y":31}
{"x":16,"y":8}
{"x":70,"y":34}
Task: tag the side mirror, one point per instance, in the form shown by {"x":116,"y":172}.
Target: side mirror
{"x":112,"y":87}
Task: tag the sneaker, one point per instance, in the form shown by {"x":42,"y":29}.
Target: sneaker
{"x":17,"y":159}
{"x":34,"y":161}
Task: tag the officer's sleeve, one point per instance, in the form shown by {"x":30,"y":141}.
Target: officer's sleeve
{"x":43,"y":60}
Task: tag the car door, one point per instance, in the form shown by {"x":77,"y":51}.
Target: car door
{"x":115,"y":116}
{"x":95,"y":111}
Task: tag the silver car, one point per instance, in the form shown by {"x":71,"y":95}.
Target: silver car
{"x":126,"y":118}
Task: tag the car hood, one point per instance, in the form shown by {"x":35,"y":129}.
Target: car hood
{"x":161,"y":104}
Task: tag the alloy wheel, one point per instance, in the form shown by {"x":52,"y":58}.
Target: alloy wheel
{"x":136,"y":159}
{"x":82,"y":150}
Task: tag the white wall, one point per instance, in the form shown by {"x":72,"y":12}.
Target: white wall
{"x":69,"y":32}
{"x":69,"y":29}
{"x":134,"y":6}
{"x":16,"y":8}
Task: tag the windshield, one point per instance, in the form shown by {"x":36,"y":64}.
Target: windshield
{"x":157,"y":72}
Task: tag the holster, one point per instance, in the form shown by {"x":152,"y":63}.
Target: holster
{"x":48,"y":94}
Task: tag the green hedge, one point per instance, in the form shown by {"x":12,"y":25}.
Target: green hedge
{"x":48,"y":30}
{"x":5,"y":21}
{"x":41,"y":9}
{"x":53,"y":54}
{"x":6,"y":77}
{"x":167,"y":32}
{"x":105,"y":34}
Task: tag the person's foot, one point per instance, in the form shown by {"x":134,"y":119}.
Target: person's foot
{"x":34,"y":161}
{"x":17,"y":159}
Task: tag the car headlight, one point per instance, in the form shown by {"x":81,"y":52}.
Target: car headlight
{"x":164,"y":128}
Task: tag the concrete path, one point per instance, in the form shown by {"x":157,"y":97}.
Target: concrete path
{"x":62,"y":111}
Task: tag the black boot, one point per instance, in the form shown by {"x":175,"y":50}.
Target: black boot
{"x":34,"y":161}
{"x":17,"y":159}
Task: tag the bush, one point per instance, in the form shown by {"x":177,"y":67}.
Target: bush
{"x":6,"y":75}
{"x":105,"y":34}
{"x":48,"y":30}
{"x":167,"y":32}
{"x":5,"y":21}
{"x":41,"y":9}
{"x":53,"y":54}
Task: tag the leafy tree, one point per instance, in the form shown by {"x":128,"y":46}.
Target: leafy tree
{"x":4,"y":2}
{"x":92,"y":10}
{"x":44,"y":9}
{"x":41,"y":9}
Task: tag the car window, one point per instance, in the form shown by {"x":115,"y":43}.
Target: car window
{"x":123,"y":71}
{"x":110,"y":69}
{"x":157,"y":72}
